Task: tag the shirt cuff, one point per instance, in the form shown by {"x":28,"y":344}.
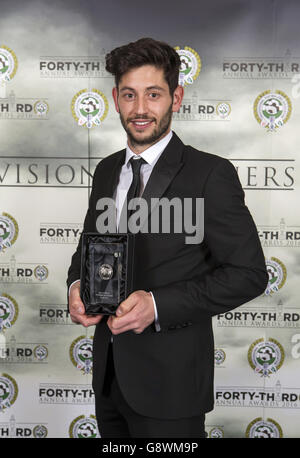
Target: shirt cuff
{"x":157,"y":325}
{"x":72,"y":285}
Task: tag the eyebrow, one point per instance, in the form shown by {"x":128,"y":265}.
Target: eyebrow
{"x":150,"y":88}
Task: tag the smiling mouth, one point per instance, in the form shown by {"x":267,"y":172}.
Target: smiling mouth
{"x":141,"y":124}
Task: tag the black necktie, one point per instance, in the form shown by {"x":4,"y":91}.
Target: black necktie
{"x":135,"y":187}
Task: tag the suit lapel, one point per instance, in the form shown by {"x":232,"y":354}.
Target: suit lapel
{"x":164,"y":171}
{"x":115,"y":174}
{"x":107,"y":186}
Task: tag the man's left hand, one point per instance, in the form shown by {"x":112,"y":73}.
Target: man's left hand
{"x":135,"y":313}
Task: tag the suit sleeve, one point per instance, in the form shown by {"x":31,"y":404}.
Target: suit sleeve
{"x":231,"y":236}
{"x":88,"y":226}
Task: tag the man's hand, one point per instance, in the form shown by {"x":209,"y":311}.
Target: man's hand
{"x":77,"y":310}
{"x":135,"y":313}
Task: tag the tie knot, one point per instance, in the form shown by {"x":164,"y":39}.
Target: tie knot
{"x":136,"y":164}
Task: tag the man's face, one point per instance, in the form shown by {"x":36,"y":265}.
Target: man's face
{"x":145,"y":105}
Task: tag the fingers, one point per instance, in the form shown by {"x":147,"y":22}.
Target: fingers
{"x":116,"y":328}
{"x":77,"y":309}
{"x":135,"y":313}
{"x":128,"y":304}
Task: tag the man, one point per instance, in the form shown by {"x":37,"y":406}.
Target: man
{"x":153,"y":362}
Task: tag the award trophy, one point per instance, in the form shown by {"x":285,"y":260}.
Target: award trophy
{"x":106,"y":271}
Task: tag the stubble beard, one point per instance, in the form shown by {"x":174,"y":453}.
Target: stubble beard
{"x":157,"y":133}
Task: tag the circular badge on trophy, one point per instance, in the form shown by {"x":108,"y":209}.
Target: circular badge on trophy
{"x":106,"y":271}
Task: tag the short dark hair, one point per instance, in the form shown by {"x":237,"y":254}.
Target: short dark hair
{"x":145,"y":51}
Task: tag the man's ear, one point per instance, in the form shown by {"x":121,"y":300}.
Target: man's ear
{"x":177,"y":98}
{"x":115,"y":97}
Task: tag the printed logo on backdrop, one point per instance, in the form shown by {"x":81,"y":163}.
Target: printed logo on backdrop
{"x":16,"y":429}
{"x":81,"y":354}
{"x":190,"y":65}
{"x":84,"y":427}
{"x":195,"y":108}
{"x":20,"y":108}
{"x":55,"y":314}
{"x":60,"y":233}
{"x":272,"y":316}
{"x":61,"y":393}
{"x":8,"y":64}
{"x":23,"y":352}
{"x":272,"y":109}
{"x":89,"y":108}
{"x":216,"y":432}
{"x":74,"y":66}
{"x":276,"y":397}
{"x":279,"y":235}
{"x":266,"y":174}
{"x":261,"y":67}
{"x":8,"y":391}
{"x":23,"y":273}
{"x":9,"y":231}
{"x":266,"y":356}
{"x":220,"y":357}
{"x":223,"y":110}
{"x":264,"y":429}
{"x":277,"y":275}
{"x":9,"y":311}
{"x":52,"y":172}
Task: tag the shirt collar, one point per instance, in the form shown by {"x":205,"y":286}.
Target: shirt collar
{"x":152,"y":153}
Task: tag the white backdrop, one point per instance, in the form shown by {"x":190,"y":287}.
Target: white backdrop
{"x":241,"y":102}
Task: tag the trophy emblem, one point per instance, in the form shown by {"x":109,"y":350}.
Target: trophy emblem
{"x":106,"y":271}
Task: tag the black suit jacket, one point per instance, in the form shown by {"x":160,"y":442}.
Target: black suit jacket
{"x":169,"y":374}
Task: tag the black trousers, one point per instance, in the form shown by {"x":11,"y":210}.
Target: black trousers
{"x":116,"y":418}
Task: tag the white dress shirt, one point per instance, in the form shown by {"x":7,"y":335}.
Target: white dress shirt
{"x":151,"y":156}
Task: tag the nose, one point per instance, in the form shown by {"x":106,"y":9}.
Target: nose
{"x":141,"y":107}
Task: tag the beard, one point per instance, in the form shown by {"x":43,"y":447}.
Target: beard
{"x":158,"y":132}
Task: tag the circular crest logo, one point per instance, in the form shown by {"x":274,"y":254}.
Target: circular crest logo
{"x":272,"y":109}
{"x":41,"y":272}
{"x":8,"y":391}
{"x":190,"y":65}
{"x":9,"y":311}
{"x":40,"y":431}
{"x":277,"y":275}
{"x":216,"y":433}
{"x":9,"y":230}
{"x":223,"y":109}
{"x":84,"y":427}
{"x":41,"y":108}
{"x":81,"y":354}
{"x":265,"y":356}
{"x":8,"y":64}
{"x":40,"y":352}
{"x":264,"y":429}
{"x":89,"y":108}
{"x":220,"y":356}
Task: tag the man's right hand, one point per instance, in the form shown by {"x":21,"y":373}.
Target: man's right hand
{"x":77,"y":310}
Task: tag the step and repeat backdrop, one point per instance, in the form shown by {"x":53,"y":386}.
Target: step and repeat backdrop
{"x":241,"y":73}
